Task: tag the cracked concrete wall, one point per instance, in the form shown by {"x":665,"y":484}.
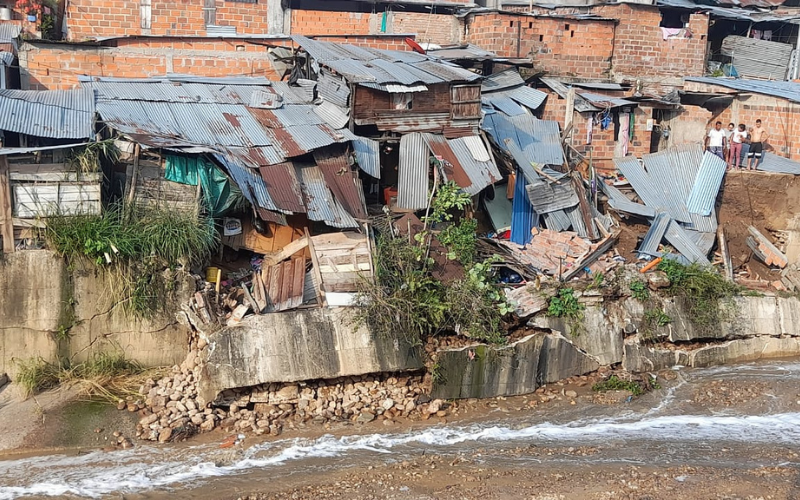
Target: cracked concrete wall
{"x":300,"y":345}
{"x":43,"y":300}
{"x":484,"y":371}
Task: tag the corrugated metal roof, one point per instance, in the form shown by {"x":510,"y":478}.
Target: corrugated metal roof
{"x":507,"y":79}
{"x":578,"y":223}
{"x":394,"y":88}
{"x":9,"y":31}
{"x":449,"y":164}
{"x":528,"y":97}
{"x":523,"y":164}
{"x":342,"y":180}
{"x":283,"y":186}
{"x":367,"y":153}
{"x":598,"y":85}
{"x":364,"y":64}
{"x":250,"y":183}
{"x":779,"y":164}
{"x":523,"y":217}
{"x":322,"y":206}
{"x":677,"y":237}
{"x":546,"y":197}
{"x":706,"y":185}
{"x":293,"y":94}
{"x":6,"y":58}
{"x":55,"y":114}
{"x":539,"y":140}
{"x":655,"y":234}
{"x":557,"y":221}
{"x":605,"y":101}
{"x":620,"y":202}
{"x":333,"y":88}
{"x":665,"y":179}
{"x":504,"y":103}
{"x":754,"y":58}
{"x":467,"y":51}
{"x":335,"y":116}
{"x":784,"y":90}
{"x":645,"y":187}
{"x":704,"y":241}
{"x":479,"y":167}
{"x":412,"y":182}
{"x":581,"y":104}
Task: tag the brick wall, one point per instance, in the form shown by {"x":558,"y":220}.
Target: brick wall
{"x":56,"y":66}
{"x":96,"y":18}
{"x":442,"y":29}
{"x":561,"y":47}
{"x":640,"y":51}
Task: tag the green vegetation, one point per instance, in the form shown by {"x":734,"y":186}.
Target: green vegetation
{"x":639,"y":290}
{"x":405,"y":297}
{"x":656,"y":317}
{"x":614,"y":383}
{"x":564,"y":304}
{"x":104,"y":375}
{"x":87,"y":159}
{"x":702,"y":291}
{"x":597,"y":281}
{"x":135,"y":246}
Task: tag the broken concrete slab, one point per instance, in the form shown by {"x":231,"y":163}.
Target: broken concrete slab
{"x":763,"y":248}
{"x":300,"y":345}
{"x":599,"y":332}
{"x":487,"y":371}
{"x":643,"y":358}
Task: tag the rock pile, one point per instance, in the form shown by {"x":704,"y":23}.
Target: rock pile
{"x":172,"y":412}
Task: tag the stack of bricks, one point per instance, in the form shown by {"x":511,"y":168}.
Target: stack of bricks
{"x":551,"y":251}
{"x":558,"y":46}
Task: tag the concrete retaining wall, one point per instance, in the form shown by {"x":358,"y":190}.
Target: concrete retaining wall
{"x":49,"y":311}
{"x":299,"y":345}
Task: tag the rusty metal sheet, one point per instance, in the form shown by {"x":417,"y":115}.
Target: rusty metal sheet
{"x":283,"y":186}
{"x":451,"y":166}
{"x":412,"y":172}
{"x":341,"y":179}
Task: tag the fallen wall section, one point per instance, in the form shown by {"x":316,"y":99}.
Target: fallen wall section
{"x":299,"y":345}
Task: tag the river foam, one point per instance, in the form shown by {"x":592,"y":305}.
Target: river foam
{"x":145,"y":468}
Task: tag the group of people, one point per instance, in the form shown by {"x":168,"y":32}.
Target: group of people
{"x":738,"y":146}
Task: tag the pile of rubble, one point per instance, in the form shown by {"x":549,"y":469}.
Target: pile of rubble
{"x":171,"y":410}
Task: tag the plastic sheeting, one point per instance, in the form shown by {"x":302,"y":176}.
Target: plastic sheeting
{"x":218,"y":191}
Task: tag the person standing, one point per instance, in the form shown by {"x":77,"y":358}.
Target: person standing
{"x":728,"y":135}
{"x":737,"y":139}
{"x":758,"y":136}
{"x":715,"y":140}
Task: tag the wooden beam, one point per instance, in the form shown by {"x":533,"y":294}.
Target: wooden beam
{"x":726,"y":255}
{"x":6,"y":211}
{"x":286,"y":252}
{"x":134,"y":175}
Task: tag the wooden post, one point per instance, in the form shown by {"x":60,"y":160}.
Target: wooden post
{"x":6,"y":213}
{"x":726,"y":255}
{"x":317,"y":273}
{"x":134,"y":175}
{"x":570,"y":109}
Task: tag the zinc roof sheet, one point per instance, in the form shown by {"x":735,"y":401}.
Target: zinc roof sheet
{"x":321,"y":204}
{"x":507,"y":79}
{"x":677,"y":237}
{"x":783,"y":89}
{"x":779,"y":164}
{"x":652,"y":239}
{"x":55,"y":114}
{"x":706,"y":185}
{"x":368,"y":156}
{"x":546,"y":197}
{"x":539,"y":140}
{"x":283,"y":186}
{"x":523,"y":216}
{"x":335,"y":116}
{"x":249,"y":181}
{"x":412,"y":183}
{"x":342,"y":180}
{"x":557,"y":220}
{"x":480,"y":168}
{"x":505,"y":104}
{"x":619,"y":201}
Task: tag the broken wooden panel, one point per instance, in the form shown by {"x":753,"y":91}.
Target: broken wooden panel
{"x":344,"y":260}
{"x":275,"y":238}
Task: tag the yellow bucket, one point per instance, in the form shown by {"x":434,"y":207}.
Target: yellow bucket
{"x":212,"y":273}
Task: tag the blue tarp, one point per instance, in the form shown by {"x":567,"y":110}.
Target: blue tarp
{"x":523,"y":217}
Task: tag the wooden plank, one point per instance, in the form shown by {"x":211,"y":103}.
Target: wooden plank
{"x":248,"y":297}
{"x":6,"y":221}
{"x":329,"y":263}
{"x":283,"y":235}
{"x":317,"y":274}
{"x":286,"y":252}
{"x":259,"y":292}
{"x":286,"y":285}
{"x":275,"y":283}
{"x":346,"y":268}
{"x":726,"y":256}
{"x":298,"y":283}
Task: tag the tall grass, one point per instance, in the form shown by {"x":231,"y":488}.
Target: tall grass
{"x":109,"y":376}
{"x":135,"y":247}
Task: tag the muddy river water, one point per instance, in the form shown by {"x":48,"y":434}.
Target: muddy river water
{"x":734,"y":417}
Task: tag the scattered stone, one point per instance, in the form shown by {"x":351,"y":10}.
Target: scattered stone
{"x":365,"y":417}
{"x":571,"y":394}
{"x":165,"y":435}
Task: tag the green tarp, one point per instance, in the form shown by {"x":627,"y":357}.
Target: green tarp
{"x":218,"y":192}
